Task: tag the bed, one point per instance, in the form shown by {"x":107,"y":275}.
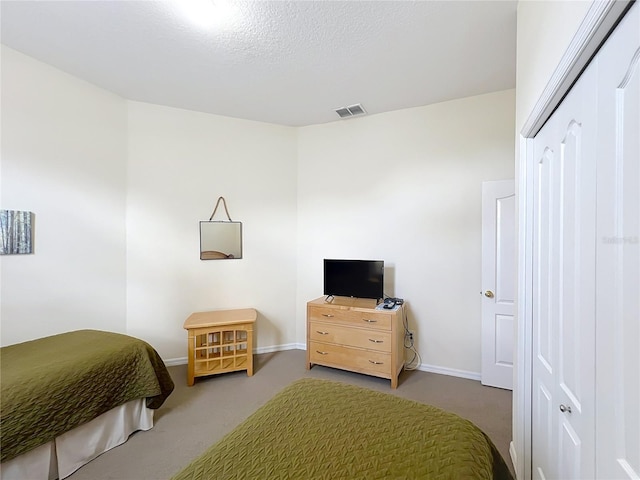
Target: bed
{"x":318,"y":429}
{"x":67,"y":398}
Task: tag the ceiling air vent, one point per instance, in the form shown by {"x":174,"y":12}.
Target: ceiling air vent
{"x":351,"y":111}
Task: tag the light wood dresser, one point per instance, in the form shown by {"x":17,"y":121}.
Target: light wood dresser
{"x":220,"y":341}
{"x":351,"y":334}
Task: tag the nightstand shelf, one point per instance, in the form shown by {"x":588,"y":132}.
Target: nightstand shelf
{"x":220,"y":341}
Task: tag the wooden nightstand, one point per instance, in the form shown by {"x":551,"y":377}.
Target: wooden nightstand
{"x":220,"y":341}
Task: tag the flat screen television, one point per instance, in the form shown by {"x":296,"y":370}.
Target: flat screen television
{"x":354,"y":278}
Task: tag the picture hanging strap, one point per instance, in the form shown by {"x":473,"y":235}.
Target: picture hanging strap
{"x":224,"y":202}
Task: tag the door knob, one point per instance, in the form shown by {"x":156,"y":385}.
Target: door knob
{"x":488,"y":294}
{"x":564,"y":408}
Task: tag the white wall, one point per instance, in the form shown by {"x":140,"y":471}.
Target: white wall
{"x":545,"y":29}
{"x":405,"y":187}
{"x":63,"y":158}
{"x":89,"y":164}
{"x":180,"y":162}
{"x":82,"y":158}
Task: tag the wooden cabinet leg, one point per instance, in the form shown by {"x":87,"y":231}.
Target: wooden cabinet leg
{"x":249,"y":334}
{"x":190,"y":368}
{"x":191,"y":359}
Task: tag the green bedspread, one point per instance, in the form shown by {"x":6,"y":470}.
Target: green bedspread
{"x":316,"y":429}
{"x":54,"y":384}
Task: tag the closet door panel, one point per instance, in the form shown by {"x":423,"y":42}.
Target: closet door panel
{"x":629,"y":269}
{"x":545,"y":453}
{"x":618,"y":295}
{"x":564,"y":287}
{"x":576,"y":366}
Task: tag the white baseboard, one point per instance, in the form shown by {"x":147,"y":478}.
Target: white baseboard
{"x":171,"y":362}
{"x":514,"y":457}
{"x":452,"y":372}
{"x":280,"y":348}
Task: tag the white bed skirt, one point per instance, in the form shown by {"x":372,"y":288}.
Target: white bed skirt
{"x":71,"y":450}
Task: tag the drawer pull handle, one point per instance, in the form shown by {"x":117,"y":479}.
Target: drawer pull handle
{"x":376,"y":341}
{"x":322,"y":353}
{"x":322,"y":333}
{"x":328,"y":315}
{"x":375,"y":363}
{"x":368,"y":320}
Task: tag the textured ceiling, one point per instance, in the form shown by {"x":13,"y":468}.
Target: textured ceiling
{"x":284,"y":62}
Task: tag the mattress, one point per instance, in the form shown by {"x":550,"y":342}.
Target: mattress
{"x":317,"y":429}
{"x":71,"y":450}
{"x":54,"y":384}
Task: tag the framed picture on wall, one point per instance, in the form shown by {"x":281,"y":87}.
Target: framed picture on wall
{"x":16,"y":232}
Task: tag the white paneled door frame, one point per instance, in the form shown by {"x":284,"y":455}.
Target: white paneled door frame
{"x":599,"y":21}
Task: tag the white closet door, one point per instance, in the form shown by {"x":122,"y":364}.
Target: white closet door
{"x":564,"y":287}
{"x":618,"y":267}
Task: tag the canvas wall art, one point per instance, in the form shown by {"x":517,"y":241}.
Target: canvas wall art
{"x":16,"y":232}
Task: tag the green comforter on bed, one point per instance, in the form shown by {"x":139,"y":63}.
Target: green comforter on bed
{"x":54,"y":384}
{"x":316,"y":429}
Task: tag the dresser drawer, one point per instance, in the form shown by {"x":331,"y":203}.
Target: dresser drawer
{"x":375,"y":319}
{"x":355,"y":359}
{"x":379,"y":340}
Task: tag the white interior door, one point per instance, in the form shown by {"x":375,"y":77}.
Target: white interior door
{"x":498,"y":282}
{"x":563,"y":398}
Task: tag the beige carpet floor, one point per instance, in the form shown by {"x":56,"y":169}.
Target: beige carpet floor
{"x":195,"y":417}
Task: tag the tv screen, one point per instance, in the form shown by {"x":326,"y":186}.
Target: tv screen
{"x":354,"y":278}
